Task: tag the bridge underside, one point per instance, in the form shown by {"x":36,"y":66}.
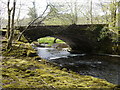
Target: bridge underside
{"x":81,"y":38}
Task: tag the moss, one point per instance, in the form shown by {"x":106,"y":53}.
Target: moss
{"x":31,"y":53}
{"x":20,"y":71}
{"x":20,"y":49}
{"x":50,"y":76}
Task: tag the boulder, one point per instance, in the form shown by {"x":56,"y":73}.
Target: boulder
{"x":60,"y":45}
{"x":31,"y":53}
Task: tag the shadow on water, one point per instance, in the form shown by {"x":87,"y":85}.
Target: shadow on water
{"x":100,"y":66}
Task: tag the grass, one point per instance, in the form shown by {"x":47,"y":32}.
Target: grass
{"x":49,"y":40}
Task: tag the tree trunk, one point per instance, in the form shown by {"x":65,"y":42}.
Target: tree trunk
{"x":113,"y":18}
{"x":9,"y":12}
{"x":55,"y":40}
{"x":91,"y":15}
{"x":12,"y":27}
{"x":119,"y":22}
{"x":113,"y":13}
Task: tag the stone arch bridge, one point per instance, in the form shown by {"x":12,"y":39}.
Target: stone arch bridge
{"x":81,"y":38}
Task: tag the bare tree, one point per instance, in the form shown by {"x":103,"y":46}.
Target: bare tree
{"x":10,"y":39}
{"x":73,"y":6}
{"x":33,"y":12}
{"x":18,"y":15}
{"x":33,"y":21}
{"x":91,"y":15}
{"x":119,"y":15}
{"x":105,"y":9}
{"x":113,"y":9}
{"x":66,"y":12}
{"x":9,"y":18}
{"x":118,"y":22}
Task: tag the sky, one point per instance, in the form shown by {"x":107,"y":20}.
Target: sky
{"x":41,"y":5}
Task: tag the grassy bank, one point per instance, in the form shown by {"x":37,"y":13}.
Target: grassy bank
{"x":49,"y":40}
{"x":22,"y":68}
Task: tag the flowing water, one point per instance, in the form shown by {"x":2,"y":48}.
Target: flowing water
{"x":100,"y":66}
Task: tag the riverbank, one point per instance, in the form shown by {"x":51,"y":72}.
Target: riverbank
{"x":22,"y":68}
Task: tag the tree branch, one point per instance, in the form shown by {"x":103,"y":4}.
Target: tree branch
{"x":19,"y":37}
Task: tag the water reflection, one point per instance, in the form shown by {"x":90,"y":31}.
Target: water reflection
{"x":53,"y":53}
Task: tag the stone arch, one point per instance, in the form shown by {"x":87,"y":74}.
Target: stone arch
{"x":78,"y":43}
{"x":81,"y":38}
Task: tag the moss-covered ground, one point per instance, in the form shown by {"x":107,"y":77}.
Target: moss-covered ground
{"x":22,"y":70}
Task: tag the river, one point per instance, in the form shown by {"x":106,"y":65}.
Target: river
{"x":100,"y":66}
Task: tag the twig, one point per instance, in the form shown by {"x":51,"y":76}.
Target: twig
{"x":19,"y":37}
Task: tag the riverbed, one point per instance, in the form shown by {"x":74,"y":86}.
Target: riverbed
{"x":102,"y":66}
